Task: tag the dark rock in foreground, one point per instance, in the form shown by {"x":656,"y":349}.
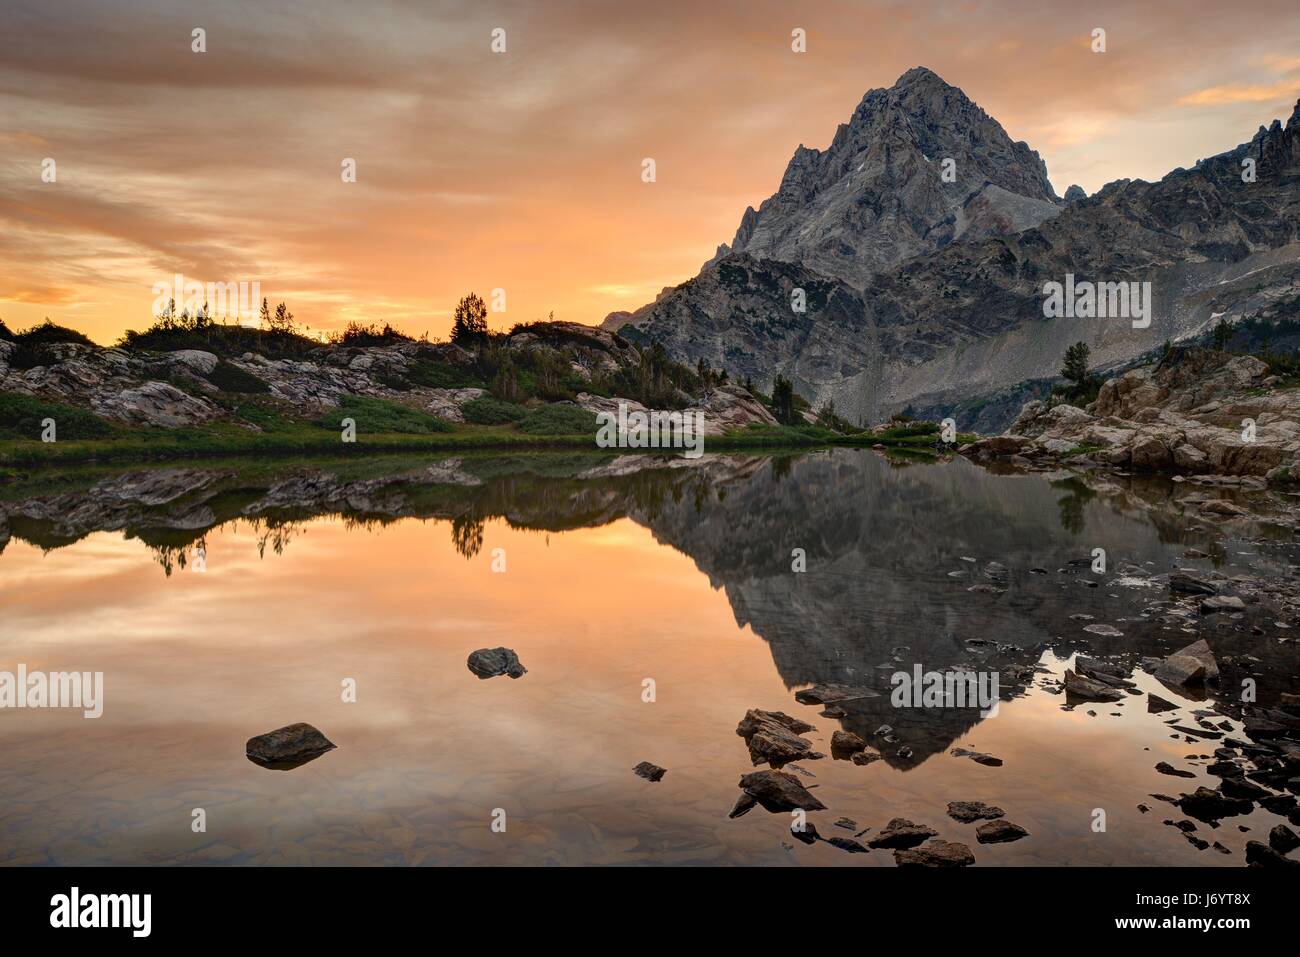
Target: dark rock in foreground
{"x":935,"y":854}
{"x":969,"y":811}
{"x":845,"y":744}
{"x":774,"y":737}
{"x":1165,"y":767}
{"x":1261,"y":855}
{"x":490,"y":662}
{"x":1191,"y":666}
{"x":1283,"y":840}
{"x":999,"y":832}
{"x":289,"y":747}
{"x":775,"y":791}
{"x":1206,"y":805}
{"x":651,"y":772}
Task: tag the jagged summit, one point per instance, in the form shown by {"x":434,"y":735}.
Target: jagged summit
{"x":874,"y":197}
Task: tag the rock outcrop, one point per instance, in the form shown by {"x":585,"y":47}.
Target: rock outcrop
{"x":1202,"y":413}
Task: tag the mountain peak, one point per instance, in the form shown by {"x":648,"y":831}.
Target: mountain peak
{"x":918,"y":165}
{"x":920,"y":75}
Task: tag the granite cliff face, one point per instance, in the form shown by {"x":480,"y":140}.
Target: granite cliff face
{"x":930,"y":294}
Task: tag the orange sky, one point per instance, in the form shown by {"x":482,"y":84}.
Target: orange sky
{"x":522,"y":171}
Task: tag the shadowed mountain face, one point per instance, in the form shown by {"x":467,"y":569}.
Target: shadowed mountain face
{"x":929,"y":293}
{"x":892,"y":552}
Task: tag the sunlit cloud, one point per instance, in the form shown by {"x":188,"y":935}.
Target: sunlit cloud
{"x":521,"y":171}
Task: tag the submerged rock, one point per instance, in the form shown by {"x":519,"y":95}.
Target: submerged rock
{"x":978,"y":757}
{"x":970,"y":811}
{"x":289,"y":747}
{"x":651,"y":772}
{"x":490,"y":662}
{"x":1165,"y":767}
{"x":774,"y":737}
{"x":935,"y":854}
{"x":807,"y":834}
{"x":846,"y":844}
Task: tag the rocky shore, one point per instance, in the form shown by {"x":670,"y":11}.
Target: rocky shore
{"x":1203,"y":417}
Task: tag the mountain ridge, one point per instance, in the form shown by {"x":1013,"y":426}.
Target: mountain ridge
{"x":939,"y":285}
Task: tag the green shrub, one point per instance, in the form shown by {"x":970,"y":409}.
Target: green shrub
{"x":49,"y":332}
{"x":21,"y":415}
{"x":380,"y":416}
{"x":357,"y":334}
{"x":559,"y":420}
{"x":5,"y":334}
{"x":490,"y":411}
{"x":230,"y":378}
{"x":439,"y":375}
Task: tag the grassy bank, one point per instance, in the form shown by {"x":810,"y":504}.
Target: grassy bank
{"x":290,"y":440}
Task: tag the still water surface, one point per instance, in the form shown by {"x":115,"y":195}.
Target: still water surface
{"x":677,"y":574}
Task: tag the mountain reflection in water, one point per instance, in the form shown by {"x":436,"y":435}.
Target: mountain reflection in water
{"x":616,"y":570}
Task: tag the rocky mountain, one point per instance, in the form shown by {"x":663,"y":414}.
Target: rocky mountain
{"x":930,"y":294}
{"x":878,"y":194}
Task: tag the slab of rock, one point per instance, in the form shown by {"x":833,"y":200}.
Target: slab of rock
{"x":935,"y":854}
{"x":901,"y":832}
{"x":847,"y":844}
{"x":866,"y":757}
{"x":1158,"y":705}
{"x":1191,"y":666}
{"x":289,"y":747}
{"x":833,"y":694}
{"x":776,"y":791}
{"x":970,"y":811}
{"x":1191,"y":585}
{"x":1164,"y":767}
{"x":1088,"y":689}
{"x":999,"y":832}
{"x":774,"y":737}
{"x":1217,"y":604}
{"x":490,"y":662}
{"x":978,"y":757}
{"x":651,"y":772}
